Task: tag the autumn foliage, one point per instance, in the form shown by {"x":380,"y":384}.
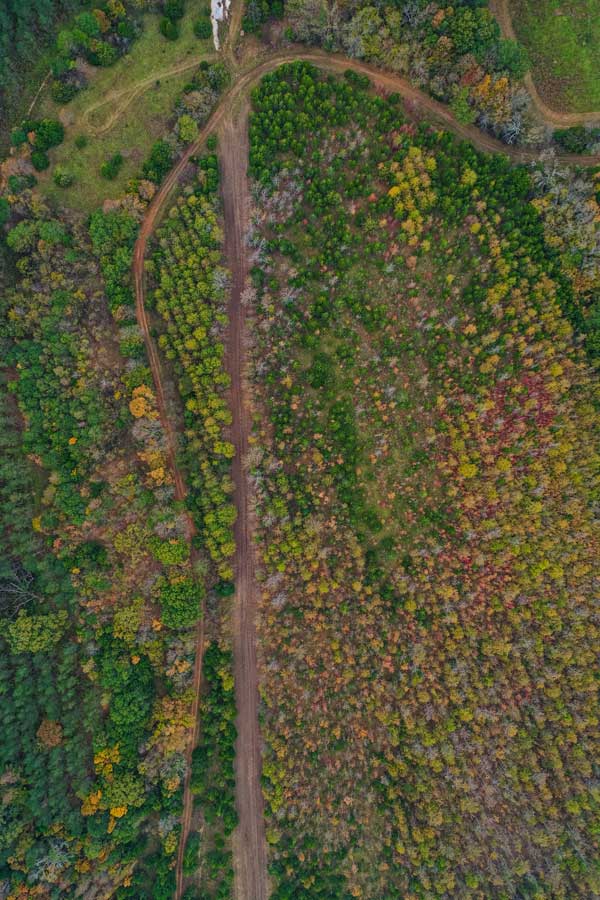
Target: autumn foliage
{"x":425,"y":475}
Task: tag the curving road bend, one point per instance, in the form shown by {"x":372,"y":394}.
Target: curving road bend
{"x":501,"y":10}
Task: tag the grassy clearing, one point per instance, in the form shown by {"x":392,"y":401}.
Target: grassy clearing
{"x":142,"y":122}
{"x":562,"y":37}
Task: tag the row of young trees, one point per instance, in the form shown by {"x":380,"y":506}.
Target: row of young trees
{"x":213,"y":779}
{"x":190,"y":297}
{"x":427,"y":522}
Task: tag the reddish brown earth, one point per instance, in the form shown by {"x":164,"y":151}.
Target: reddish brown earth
{"x":250,"y":852}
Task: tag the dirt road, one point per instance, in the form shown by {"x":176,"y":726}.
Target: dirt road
{"x":501,"y":10}
{"x":250,"y":848}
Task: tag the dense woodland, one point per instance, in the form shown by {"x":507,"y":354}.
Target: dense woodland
{"x":426,"y":473}
{"x":104,"y":574}
{"x":425,"y":340}
{"x":24,"y":25}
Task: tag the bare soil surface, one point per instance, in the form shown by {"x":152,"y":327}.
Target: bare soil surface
{"x":249,"y":842}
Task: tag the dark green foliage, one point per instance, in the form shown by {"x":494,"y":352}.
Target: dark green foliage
{"x":127,"y":30}
{"x":113,"y":235}
{"x":159,"y":162}
{"x":472,"y":30}
{"x":132,"y":692}
{"x":53,"y":411}
{"x":300,"y":866}
{"x":18,"y":136}
{"x":48,"y":133}
{"x":259,"y":11}
{"x":44,"y":134}
{"x":88,"y":24}
{"x":577,"y":139}
{"x":174,"y":9}
{"x":4,"y":211}
{"x":153,"y":879}
{"x":25,"y":27}
{"x":180,"y":603}
{"x":357,"y":79}
{"x":63,"y":91}
{"x":24,"y":565}
{"x":102,"y":54}
{"x":190,"y":854}
{"x":512,"y":57}
{"x":213,"y":779}
{"x":39,"y":160}
{"x":18,"y":183}
{"x":62,"y":178}
{"x":111,"y":168}
{"x":225,"y":588}
{"x":169,"y":29}
{"x":203,"y":29}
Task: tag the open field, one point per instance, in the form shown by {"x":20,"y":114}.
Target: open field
{"x":131,"y":94}
{"x":562,"y":38}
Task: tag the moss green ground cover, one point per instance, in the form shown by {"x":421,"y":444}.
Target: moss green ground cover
{"x":562,"y":37}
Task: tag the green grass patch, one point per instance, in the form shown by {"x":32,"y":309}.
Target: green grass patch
{"x":562,"y":38}
{"x":139,"y":126}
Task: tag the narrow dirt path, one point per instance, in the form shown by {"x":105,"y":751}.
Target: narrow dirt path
{"x":250,"y":851}
{"x":501,"y":10}
{"x":250,"y":844}
{"x":236,"y":16}
{"x":130,"y":93}
{"x":39,"y":91}
{"x":180,"y":493}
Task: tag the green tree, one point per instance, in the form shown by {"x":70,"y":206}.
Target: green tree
{"x":48,"y":133}
{"x":513,"y":57}
{"x":36,"y":633}
{"x":180,"y":603}
{"x":122,"y":790}
{"x":187,"y":129}
{"x":203,"y":29}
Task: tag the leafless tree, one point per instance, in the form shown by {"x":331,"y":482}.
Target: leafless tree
{"x":16,"y":589}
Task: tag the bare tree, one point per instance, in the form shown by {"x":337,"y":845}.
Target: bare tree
{"x":16,"y":589}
